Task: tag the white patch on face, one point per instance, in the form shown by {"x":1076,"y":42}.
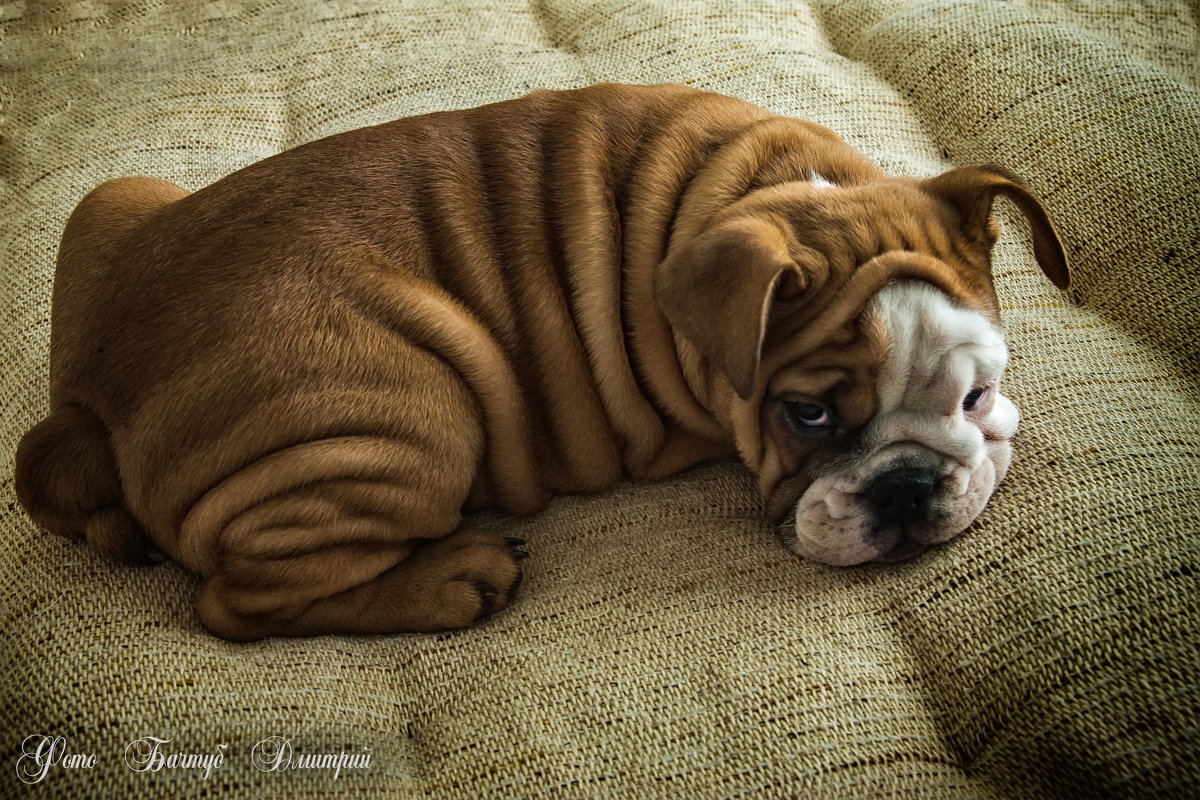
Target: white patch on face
{"x":926,"y":465}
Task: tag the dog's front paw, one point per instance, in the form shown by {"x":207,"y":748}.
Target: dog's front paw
{"x":463,"y":578}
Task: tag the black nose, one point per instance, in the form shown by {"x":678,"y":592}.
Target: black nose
{"x":901,"y":495}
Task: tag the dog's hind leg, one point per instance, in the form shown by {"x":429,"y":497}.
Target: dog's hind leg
{"x":434,"y":584}
{"x":346,"y":535}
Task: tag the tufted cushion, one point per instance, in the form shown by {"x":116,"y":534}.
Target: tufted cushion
{"x":664,"y":645}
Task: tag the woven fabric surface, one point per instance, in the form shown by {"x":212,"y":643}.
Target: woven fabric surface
{"x":663,"y":644}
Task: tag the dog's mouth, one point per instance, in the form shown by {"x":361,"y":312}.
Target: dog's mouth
{"x":906,"y":548}
{"x":895,"y":516}
{"x":907,"y":545}
{"x":856,"y":540}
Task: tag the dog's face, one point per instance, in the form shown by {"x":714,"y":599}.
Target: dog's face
{"x":856,"y":334}
{"x":916,"y":461}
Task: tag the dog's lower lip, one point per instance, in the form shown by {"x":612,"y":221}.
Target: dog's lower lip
{"x":907,"y":549}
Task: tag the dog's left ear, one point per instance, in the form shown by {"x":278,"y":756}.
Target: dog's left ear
{"x":972,"y":190}
{"x":717,"y":290}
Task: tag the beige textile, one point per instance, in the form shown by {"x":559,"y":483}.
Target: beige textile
{"x":664,"y":645}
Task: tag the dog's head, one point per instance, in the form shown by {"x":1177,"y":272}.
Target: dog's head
{"x":851,"y":337}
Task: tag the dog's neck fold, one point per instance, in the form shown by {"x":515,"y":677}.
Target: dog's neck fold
{"x":677,"y":190}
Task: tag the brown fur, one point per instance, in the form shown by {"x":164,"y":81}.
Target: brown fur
{"x":294,"y":380}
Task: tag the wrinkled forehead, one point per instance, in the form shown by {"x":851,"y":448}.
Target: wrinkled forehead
{"x":932,"y":350}
{"x":911,"y":346}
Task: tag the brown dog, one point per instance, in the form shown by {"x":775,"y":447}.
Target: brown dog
{"x":294,"y":381}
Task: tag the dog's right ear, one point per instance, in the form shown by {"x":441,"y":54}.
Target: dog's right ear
{"x":971,"y":190}
{"x":717,"y":291}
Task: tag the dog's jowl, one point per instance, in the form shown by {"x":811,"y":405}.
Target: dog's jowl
{"x":295,"y":381}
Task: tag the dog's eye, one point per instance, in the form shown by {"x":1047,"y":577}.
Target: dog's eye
{"x":969,"y":402}
{"x":809,"y":415}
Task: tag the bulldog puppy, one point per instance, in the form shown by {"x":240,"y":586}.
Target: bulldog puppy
{"x":294,"y":381}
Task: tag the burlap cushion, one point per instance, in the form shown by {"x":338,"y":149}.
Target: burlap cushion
{"x":664,"y":645}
